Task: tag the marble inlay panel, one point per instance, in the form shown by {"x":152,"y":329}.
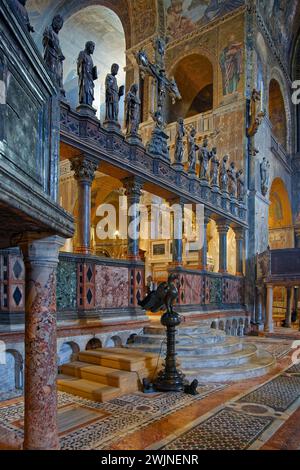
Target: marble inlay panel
{"x":112,"y":287}
{"x":66,"y":291}
{"x":192,"y":290}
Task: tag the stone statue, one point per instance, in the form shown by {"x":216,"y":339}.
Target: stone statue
{"x":53,"y":55}
{"x":265,"y":176}
{"x":223,"y":176}
{"x":214,"y":168}
{"x":19,"y":8}
{"x":192,"y":150}
{"x":232,"y":181}
{"x":113,"y":95}
{"x":179,"y":146}
{"x":133,"y":107}
{"x":87,"y":74}
{"x":240,"y":185}
{"x":204,"y":157}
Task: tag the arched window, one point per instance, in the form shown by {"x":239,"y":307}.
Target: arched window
{"x":277,"y":113}
{"x":281,"y":234}
{"x":194,"y":77}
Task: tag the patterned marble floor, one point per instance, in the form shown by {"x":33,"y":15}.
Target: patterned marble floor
{"x":247,"y":422}
{"x":84,"y":424}
{"x":257,"y":413}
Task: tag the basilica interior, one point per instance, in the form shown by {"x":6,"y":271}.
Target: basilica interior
{"x":150,"y":247}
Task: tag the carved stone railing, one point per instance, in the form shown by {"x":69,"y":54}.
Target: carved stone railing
{"x":279,"y":266}
{"x":86,"y":135}
{"x":203,"y":291}
{"x":280,"y":152}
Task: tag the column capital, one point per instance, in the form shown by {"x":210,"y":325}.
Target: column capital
{"x":84,"y":169}
{"x":239,"y":233}
{"x":133,"y":186}
{"x":223,"y":225}
{"x":41,"y":251}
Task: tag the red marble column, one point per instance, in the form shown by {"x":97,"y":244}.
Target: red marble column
{"x":40,"y":420}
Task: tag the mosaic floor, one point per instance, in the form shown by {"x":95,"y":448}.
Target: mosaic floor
{"x":249,"y":421}
{"x":259,"y":413}
{"x":84,"y":424}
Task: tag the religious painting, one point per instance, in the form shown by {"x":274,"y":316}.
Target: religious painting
{"x":279,"y":16}
{"x":231,"y":65}
{"x":184,"y":16}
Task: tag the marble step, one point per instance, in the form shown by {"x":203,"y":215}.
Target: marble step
{"x":87,"y":389}
{"x":118,"y":361}
{"x":115,"y":378}
{"x":259,"y":365}
{"x":159,"y":329}
{"x":223,"y":360}
{"x":211,"y":337}
{"x":232,"y":344}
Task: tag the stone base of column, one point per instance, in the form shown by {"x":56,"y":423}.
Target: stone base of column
{"x":86,"y":110}
{"x":112,"y":126}
{"x":83,"y":250}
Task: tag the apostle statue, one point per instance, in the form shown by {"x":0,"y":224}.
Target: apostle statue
{"x":53,"y":55}
{"x":113,"y":95}
{"x":19,"y":8}
{"x":214,"y":168}
{"x":240,"y":185}
{"x":133,"y":107}
{"x":265,"y":176}
{"x":179,"y":145}
{"x":87,"y":74}
{"x":192,"y":150}
{"x":232,"y":180}
{"x":204,"y":157}
{"x":223,"y":176}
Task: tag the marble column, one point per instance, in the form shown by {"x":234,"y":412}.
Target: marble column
{"x":133,"y":192}
{"x":239,"y":238}
{"x":269,"y":310}
{"x":177,"y":242}
{"x":289,"y":307}
{"x":259,"y":305}
{"x":223,"y":228}
{"x":297,"y":237}
{"x":84,"y":173}
{"x":40,"y":395}
{"x":203,"y":252}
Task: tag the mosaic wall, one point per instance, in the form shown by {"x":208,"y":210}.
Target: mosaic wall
{"x":185,"y":16}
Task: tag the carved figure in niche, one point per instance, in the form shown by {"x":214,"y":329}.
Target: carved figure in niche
{"x":232,"y":181}
{"x":19,"y":8}
{"x":204,"y":157}
{"x":179,"y":146}
{"x":214,"y":167}
{"x":113,"y":94}
{"x":133,"y":106}
{"x":231,"y":65}
{"x":87,"y":74}
{"x":53,"y":55}
{"x":223,"y":176}
{"x":265,"y":176}
{"x":240,"y":185}
{"x":256,"y":113}
{"x":192,"y":149}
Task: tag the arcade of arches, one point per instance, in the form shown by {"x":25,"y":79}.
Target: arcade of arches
{"x":185,"y":186}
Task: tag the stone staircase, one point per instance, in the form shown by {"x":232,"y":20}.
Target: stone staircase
{"x":106,"y":373}
{"x":208,"y":354}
